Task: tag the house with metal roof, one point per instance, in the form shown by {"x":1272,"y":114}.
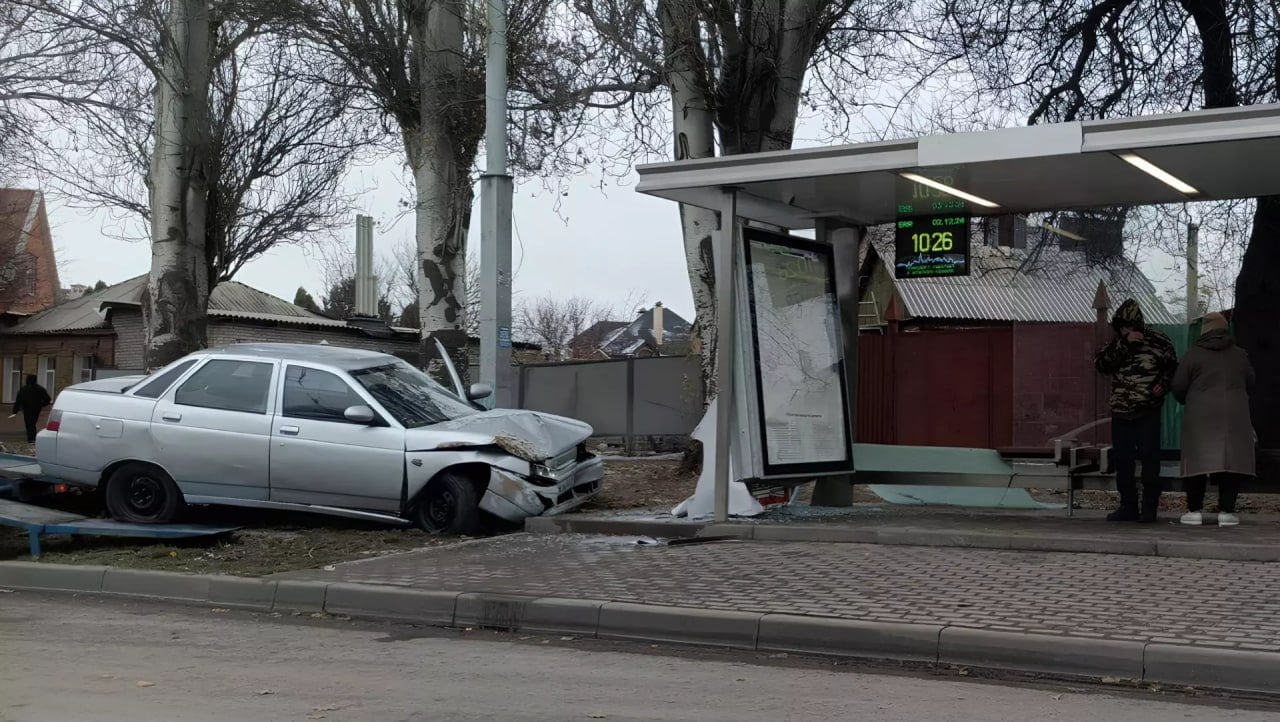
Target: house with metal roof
{"x":656,"y":331}
{"x":1035,"y":276}
{"x":101,"y":334}
{"x":1012,"y":343}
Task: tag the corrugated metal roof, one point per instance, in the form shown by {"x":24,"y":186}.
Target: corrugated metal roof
{"x":228,"y":300}
{"x":1043,"y":285}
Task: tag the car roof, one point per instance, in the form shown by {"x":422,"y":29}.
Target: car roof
{"x":337,"y":356}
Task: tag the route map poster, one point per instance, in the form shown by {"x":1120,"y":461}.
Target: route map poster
{"x":799,"y":355}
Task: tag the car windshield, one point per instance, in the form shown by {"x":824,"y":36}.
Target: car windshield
{"x":411,"y":396}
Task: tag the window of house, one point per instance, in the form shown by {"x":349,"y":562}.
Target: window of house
{"x":319,"y":395}
{"x":155,"y":388}
{"x":49,"y":373}
{"x":83,"y":369}
{"x":12,"y":380}
{"x":228,"y":385}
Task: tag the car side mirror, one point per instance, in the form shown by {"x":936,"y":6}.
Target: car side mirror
{"x":479,"y":391}
{"x":359,"y":415}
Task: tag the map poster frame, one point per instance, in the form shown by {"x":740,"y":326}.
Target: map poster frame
{"x":772,"y":457}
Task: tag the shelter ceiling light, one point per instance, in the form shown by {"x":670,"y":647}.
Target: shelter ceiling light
{"x":1158,"y":173}
{"x":922,"y":180}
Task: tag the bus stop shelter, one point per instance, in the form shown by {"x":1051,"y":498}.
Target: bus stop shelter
{"x":839,"y":191}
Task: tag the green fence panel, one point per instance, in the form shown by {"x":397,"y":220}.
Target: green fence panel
{"x":1171,"y":424}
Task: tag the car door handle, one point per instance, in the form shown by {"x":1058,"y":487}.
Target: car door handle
{"x":171,"y":417}
{"x":289,"y":431}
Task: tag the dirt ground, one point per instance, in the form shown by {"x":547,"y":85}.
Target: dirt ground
{"x":642,"y":484}
{"x":269,"y":542}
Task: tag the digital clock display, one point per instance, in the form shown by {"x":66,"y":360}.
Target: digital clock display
{"x":932,"y":246}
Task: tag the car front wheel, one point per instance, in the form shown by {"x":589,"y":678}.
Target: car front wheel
{"x":449,"y":505}
{"x":142,"y":494}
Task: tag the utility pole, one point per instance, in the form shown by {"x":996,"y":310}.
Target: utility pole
{"x":1193,"y":272}
{"x":495,"y":219}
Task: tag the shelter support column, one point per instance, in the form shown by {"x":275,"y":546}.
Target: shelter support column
{"x":726,"y":319}
{"x":845,"y":241}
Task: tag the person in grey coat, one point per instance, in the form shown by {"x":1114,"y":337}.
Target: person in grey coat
{"x":1214,"y":380}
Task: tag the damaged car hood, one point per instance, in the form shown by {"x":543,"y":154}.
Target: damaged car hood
{"x":528,"y":435}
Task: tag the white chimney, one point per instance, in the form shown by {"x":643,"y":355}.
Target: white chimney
{"x":657,"y":323}
{"x":366,"y":290}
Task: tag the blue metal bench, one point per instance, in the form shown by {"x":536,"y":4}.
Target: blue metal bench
{"x":38,"y":521}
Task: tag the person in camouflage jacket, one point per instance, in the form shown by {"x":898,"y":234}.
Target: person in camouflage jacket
{"x":1141,"y":362}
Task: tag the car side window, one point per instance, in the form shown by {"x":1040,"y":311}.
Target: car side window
{"x":228,"y":385}
{"x":156,"y":387}
{"x":317,"y":395}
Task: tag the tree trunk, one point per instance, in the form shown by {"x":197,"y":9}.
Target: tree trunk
{"x":694,"y":131}
{"x":442,"y":217}
{"x":442,"y":150}
{"x":1257,"y":294}
{"x":176,"y":298}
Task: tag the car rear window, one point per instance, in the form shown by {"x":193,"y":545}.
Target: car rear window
{"x":156,"y":387}
{"x":229,"y":385}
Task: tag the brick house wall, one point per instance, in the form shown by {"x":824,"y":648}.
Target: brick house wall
{"x":29,"y":281}
{"x":129,"y":338}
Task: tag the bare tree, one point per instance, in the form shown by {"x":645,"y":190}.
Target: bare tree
{"x":555,"y":323}
{"x":1097,"y":58}
{"x":337,"y":262}
{"x":420,"y":65}
{"x":561,"y":325}
{"x":405,"y":290}
{"x":737,"y":74}
{"x":241,"y":142}
{"x":43,"y":72}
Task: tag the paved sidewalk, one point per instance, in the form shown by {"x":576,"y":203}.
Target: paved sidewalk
{"x":1257,"y":539}
{"x":1193,"y":602}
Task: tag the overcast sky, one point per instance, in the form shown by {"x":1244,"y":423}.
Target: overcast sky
{"x":607,"y":243}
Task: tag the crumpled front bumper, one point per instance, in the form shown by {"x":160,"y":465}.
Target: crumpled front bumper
{"x":514,"y":497}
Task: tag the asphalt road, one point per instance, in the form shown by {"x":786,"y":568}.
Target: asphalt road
{"x":64,"y":659}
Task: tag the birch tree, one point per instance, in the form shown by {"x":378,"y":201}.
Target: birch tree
{"x":420,"y":64}
{"x":737,"y":75}
{"x":177,"y":293}
{"x":1102,"y":58}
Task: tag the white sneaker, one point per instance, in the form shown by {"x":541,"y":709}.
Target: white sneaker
{"x":1225,"y":519}
{"x":1192,"y":518}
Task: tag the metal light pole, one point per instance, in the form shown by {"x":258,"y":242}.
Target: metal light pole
{"x":495,"y":219}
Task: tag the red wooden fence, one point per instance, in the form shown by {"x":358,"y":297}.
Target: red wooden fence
{"x":995,"y":387}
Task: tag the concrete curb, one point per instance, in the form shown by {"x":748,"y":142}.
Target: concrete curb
{"x":1055,"y":655}
{"x":909,"y":536}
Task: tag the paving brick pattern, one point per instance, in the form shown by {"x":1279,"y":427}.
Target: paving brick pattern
{"x":1177,"y":601}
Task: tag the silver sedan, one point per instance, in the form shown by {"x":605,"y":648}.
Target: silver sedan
{"x":313,"y":428}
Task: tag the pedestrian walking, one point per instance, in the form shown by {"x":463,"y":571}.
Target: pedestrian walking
{"x":1141,"y":362}
{"x":1214,"y":381}
{"x":31,"y":400}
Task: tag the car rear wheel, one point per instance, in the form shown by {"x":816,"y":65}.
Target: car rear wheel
{"x":449,"y":505}
{"x":142,"y":494}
